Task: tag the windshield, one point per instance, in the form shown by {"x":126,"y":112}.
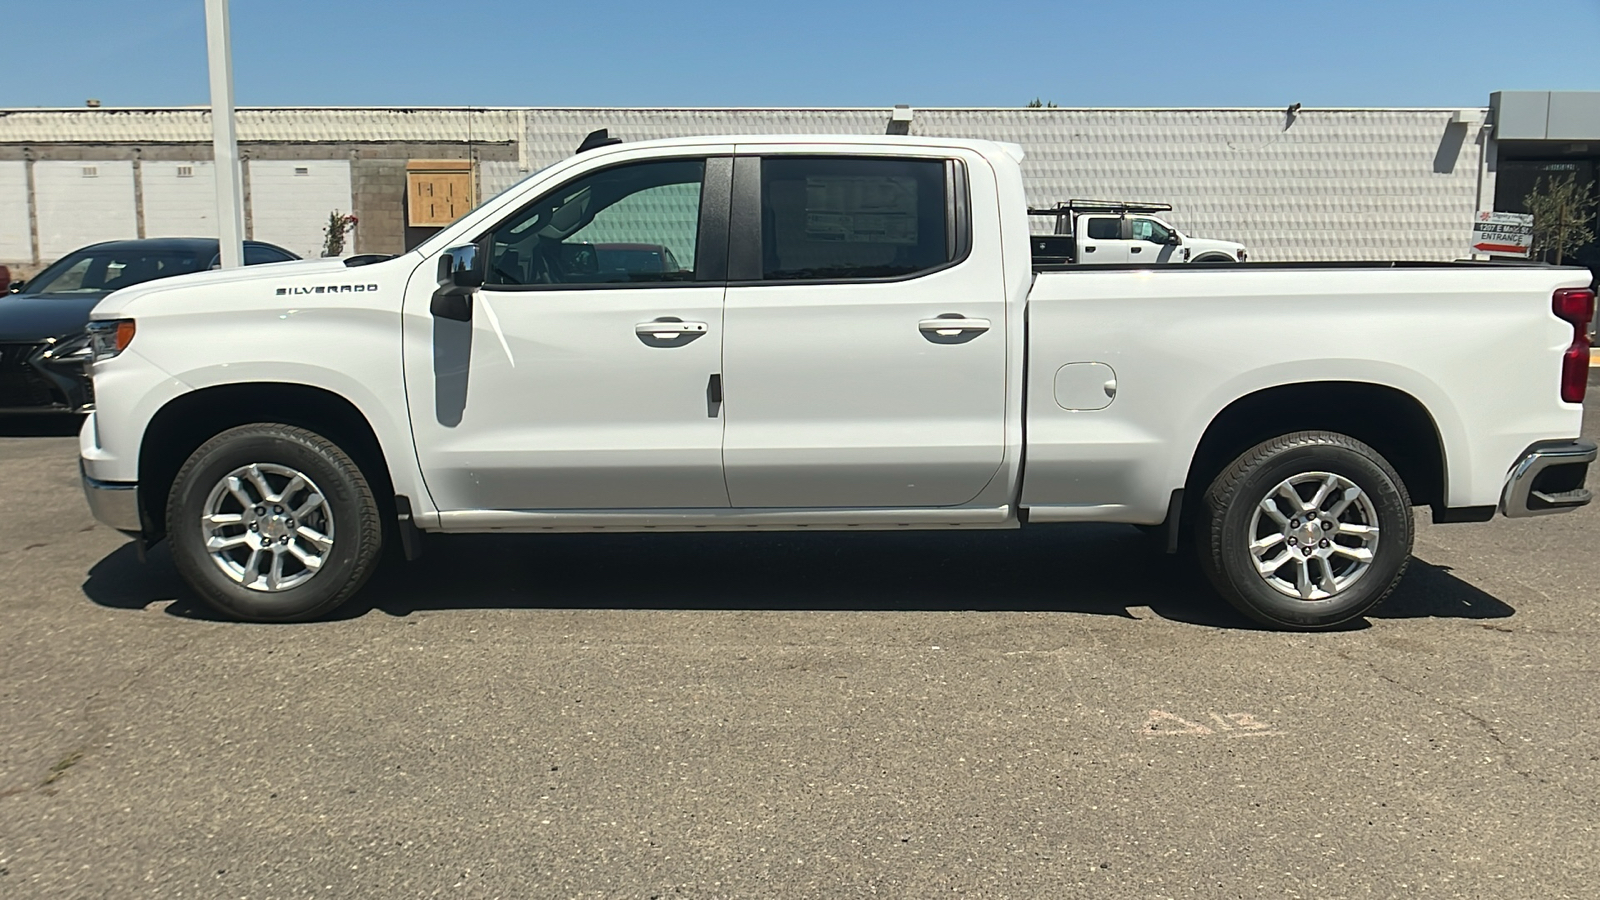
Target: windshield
{"x":102,"y":271}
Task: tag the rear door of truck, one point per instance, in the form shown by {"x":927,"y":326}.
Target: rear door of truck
{"x":1102,"y":240}
{"x":864,"y":354}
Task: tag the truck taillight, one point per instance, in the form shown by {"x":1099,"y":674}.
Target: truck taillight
{"x":1575,"y":305}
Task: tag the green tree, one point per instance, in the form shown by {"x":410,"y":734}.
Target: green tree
{"x":1563,"y":215}
{"x":1036,"y":103}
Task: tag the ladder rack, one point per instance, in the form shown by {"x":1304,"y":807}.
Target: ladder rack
{"x":1064,"y":212}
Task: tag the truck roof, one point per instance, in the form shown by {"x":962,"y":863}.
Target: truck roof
{"x":875,"y":140}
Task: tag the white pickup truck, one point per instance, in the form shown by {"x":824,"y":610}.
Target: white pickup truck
{"x":853,"y":336}
{"x":1116,"y":232}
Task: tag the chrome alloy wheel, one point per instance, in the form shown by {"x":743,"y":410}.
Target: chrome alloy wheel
{"x":268,"y":527}
{"x":1314,"y":535}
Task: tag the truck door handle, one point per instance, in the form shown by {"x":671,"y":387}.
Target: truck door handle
{"x":950,"y":326}
{"x":669,"y":329}
{"x":1135,"y":249}
{"x":1088,"y":248}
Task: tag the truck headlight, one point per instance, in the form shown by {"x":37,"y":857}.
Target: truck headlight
{"x":109,"y":337}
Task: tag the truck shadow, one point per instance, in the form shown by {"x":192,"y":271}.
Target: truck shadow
{"x":1094,"y":570}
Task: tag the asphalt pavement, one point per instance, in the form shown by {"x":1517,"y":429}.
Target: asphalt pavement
{"x":1056,"y":712}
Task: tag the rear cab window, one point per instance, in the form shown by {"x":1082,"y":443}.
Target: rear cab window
{"x":831,"y":218}
{"x":1104,"y":228}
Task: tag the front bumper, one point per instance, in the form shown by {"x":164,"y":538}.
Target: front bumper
{"x":113,"y":503}
{"x":1548,"y":479}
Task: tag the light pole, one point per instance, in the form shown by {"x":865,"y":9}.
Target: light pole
{"x":224,"y":139}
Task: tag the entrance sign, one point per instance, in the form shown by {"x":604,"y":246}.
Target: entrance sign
{"x":1503,"y":234}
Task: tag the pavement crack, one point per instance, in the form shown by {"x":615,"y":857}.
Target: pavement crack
{"x":1506,"y":751}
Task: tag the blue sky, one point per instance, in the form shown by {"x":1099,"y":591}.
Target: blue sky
{"x":804,"y":52}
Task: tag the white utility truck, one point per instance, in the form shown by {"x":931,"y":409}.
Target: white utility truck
{"x":853,"y":336}
{"x":1116,"y":232}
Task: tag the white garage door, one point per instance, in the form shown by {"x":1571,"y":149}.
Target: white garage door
{"x":16,"y":245}
{"x":180,"y":199}
{"x":290,"y":201}
{"x":83,"y":202}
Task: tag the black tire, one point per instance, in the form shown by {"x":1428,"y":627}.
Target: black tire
{"x":357,"y":526}
{"x":1230,"y":525}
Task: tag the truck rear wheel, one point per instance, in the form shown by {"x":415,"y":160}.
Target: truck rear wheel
{"x":1306,"y":531}
{"x":272,"y":523}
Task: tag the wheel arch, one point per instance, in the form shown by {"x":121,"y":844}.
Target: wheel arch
{"x":1213,"y":256}
{"x":1390,"y":420}
{"x":178,"y":428}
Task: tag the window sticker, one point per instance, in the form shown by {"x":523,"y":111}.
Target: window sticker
{"x":861,"y":209}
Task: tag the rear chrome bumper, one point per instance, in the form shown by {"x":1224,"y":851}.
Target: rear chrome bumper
{"x":1548,"y":479}
{"x":113,"y":503}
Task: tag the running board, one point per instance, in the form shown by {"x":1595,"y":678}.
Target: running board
{"x":634,"y":520}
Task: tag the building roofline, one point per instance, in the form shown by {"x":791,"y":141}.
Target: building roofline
{"x":102,"y":110}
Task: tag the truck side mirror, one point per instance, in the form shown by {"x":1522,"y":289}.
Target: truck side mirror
{"x":460,"y":274}
{"x":14,"y":288}
{"x":1174,"y":238}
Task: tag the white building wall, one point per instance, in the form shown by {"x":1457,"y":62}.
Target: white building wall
{"x":1326,"y":185}
{"x":76,"y":208}
{"x":16,"y":241}
{"x":290,"y":209}
{"x":494,"y":176}
{"x":178,"y":205}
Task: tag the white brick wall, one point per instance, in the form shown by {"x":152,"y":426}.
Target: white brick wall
{"x":75,"y":210}
{"x":16,"y":244}
{"x":179,"y":206}
{"x":291,"y":210}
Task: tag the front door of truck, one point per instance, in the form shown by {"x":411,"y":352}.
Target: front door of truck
{"x":586,"y":375}
{"x":1101,"y":240}
{"x":1151,"y":241}
{"x":865,"y":349}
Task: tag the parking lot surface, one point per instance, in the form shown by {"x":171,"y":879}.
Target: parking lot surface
{"x":1045,"y":713}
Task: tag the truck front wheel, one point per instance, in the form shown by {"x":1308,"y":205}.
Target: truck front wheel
{"x":1306,"y":531}
{"x":272,"y":523}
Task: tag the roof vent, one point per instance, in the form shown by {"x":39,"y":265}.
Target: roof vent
{"x":302,"y":170}
{"x":186,"y":171}
{"x":601,"y":138}
{"x":91,"y":171}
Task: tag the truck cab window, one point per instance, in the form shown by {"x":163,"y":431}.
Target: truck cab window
{"x":1105,"y":228}
{"x":1150,"y":230}
{"x":631,"y":224}
{"x":852,"y":218}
